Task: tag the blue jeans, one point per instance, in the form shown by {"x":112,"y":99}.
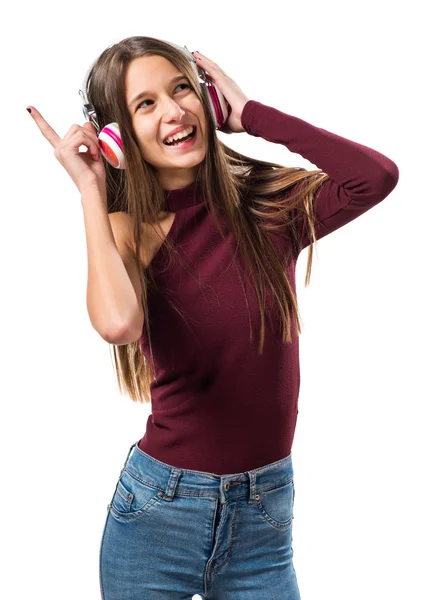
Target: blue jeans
{"x":171,"y":533}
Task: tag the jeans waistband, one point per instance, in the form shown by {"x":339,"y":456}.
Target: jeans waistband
{"x":186,"y":482}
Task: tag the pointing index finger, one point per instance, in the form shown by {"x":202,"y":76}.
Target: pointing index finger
{"x":49,"y":133}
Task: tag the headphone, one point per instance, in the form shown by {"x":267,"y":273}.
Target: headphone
{"x":109,"y":138}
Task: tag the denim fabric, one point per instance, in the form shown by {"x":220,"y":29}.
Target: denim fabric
{"x":171,"y":533}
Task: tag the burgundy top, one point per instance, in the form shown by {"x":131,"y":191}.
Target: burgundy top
{"x":217,"y":406}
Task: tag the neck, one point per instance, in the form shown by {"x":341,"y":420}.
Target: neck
{"x":179,"y":179}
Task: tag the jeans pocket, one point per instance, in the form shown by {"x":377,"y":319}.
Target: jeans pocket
{"x":276,"y":505}
{"x":123,"y":497}
{"x":132,"y":498}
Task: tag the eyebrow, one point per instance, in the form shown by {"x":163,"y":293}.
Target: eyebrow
{"x":141,"y":94}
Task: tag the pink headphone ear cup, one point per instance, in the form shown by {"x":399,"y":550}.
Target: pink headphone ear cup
{"x":217,"y":103}
{"x":220,"y":108}
{"x":111,"y":145}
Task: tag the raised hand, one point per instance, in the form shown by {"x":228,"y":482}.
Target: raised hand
{"x":85,"y":168}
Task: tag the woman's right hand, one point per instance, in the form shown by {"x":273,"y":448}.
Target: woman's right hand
{"x":85,"y":168}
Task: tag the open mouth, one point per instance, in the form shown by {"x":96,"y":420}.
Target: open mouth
{"x":182,"y":141}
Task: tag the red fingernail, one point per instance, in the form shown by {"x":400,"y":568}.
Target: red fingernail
{"x":29,"y":110}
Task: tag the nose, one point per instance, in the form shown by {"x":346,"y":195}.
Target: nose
{"x":173,"y":111}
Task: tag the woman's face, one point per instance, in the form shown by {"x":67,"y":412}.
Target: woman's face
{"x":165,"y":106}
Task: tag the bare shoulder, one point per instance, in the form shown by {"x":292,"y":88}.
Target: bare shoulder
{"x":122,"y":225}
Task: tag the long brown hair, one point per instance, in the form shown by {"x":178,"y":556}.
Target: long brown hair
{"x":247,"y":193}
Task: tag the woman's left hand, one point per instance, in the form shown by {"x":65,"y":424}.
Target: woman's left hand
{"x":230,"y":90}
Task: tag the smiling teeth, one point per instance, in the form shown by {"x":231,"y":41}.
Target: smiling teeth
{"x":179,"y":135}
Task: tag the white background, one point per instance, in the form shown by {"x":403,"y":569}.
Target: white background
{"x":360,"y":449}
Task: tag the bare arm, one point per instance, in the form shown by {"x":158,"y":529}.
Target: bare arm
{"x":113,"y":289}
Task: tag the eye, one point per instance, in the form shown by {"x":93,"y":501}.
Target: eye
{"x":179,"y":85}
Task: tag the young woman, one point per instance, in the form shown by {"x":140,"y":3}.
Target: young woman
{"x":192,"y":249}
